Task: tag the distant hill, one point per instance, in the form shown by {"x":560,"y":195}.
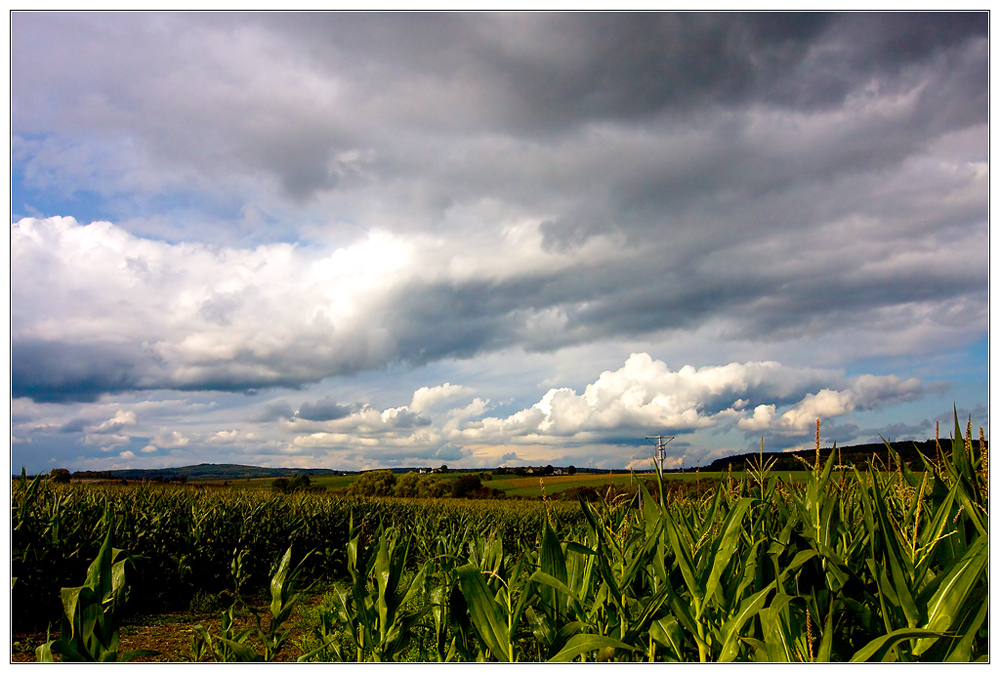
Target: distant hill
{"x":203,"y":471}
{"x":856,"y":455}
{"x":223,"y":471}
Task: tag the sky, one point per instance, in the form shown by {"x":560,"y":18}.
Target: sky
{"x":358,"y":241}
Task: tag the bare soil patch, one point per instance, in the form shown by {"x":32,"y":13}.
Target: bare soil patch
{"x":169,"y":634}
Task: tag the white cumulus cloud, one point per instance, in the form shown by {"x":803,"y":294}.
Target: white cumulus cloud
{"x":122,"y":419}
{"x":645,"y":394}
{"x":427,"y":398}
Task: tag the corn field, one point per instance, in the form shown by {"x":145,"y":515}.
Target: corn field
{"x":873,"y":564}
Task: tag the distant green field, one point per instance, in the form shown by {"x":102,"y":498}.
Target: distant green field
{"x":264,"y":483}
{"x":334,"y":481}
{"x":529,"y":486}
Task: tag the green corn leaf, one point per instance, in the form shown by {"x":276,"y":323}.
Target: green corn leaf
{"x":667,"y":632}
{"x":826,"y":641}
{"x":385,"y":583}
{"x":118,"y":582}
{"x":824,"y":479}
{"x":681,"y":608}
{"x":650,"y":511}
{"x":723,"y":549}
{"x":543,"y":578}
{"x":749,"y":570}
{"x":584,"y":643}
{"x":868,"y":511}
{"x":352,"y":558}
{"x":90,"y":614}
{"x":608,"y":576}
{"x":99,"y":572}
{"x":416,"y":585}
{"x":640,"y":560}
{"x":946,"y":603}
{"x":242,"y":652}
{"x":550,"y":557}
{"x":569,"y":629}
{"x":603,"y":567}
{"x":911,"y":478}
{"x":961,"y":650}
{"x":578,"y":548}
{"x":748,"y":608}
{"x":828,"y":522}
{"x":581,"y":573}
{"x":278,"y":590}
{"x":517,"y":582}
{"x":930,"y":534}
{"x":899,"y":564}
{"x":44,"y":652}
{"x":330,"y":644}
{"x":960,"y":459}
{"x":965,"y":496}
{"x":838,"y":573}
{"x":798,"y":560}
{"x":70,"y":597}
{"x":759,"y":648}
{"x":484,"y":612}
{"x":774,"y":621}
{"x":67,"y":652}
{"x":650,"y":607}
{"x":542,"y":628}
{"x":887,"y":600}
{"x":682,"y":557}
{"x":879,"y":647}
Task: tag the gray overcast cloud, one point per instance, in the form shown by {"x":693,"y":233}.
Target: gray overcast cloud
{"x":337,"y":212}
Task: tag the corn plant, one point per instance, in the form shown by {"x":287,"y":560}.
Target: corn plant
{"x":233,"y":646}
{"x":88,"y":631}
{"x":373,"y":608}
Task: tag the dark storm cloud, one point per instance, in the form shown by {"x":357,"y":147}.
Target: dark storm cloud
{"x":460,"y":74}
{"x":780,"y":175}
{"x":629,"y":299}
{"x":74,"y":426}
{"x":557,"y":69}
{"x":61,"y":371}
{"x":612,"y":66}
{"x":437,"y":320}
{"x":274,"y":411}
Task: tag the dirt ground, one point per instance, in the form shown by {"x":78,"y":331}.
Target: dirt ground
{"x":169,"y":634}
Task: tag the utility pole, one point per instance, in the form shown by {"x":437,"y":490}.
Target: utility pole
{"x":661,"y":447}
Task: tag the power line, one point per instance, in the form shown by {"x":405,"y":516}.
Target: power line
{"x":661,"y":447}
